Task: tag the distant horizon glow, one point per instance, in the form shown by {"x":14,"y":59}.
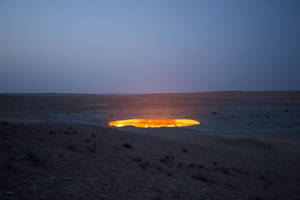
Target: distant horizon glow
{"x":129,"y":47}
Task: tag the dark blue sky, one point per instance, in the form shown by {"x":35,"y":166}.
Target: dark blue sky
{"x":149,"y":46}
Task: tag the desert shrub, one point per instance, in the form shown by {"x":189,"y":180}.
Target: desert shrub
{"x":34,"y":158}
{"x":224,"y":170}
{"x":137,"y":159}
{"x":184,"y":150}
{"x":127,"y":145}
{"x":199,"y":177}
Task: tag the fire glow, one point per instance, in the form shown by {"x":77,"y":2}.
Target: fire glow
{"x":154,"y":123}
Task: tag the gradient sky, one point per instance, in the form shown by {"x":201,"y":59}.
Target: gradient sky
{"x":143,"y":46}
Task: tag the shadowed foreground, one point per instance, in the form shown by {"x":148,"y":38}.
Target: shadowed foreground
{"x":73,"y":161}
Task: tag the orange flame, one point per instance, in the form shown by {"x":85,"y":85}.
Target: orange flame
{"x":154,"y":123}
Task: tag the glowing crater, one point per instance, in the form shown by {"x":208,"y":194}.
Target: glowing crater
{"x":154,"y":123}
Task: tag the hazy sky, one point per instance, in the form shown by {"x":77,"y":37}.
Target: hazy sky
{"x":149,"y":46}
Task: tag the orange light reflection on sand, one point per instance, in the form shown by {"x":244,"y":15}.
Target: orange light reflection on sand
{"x":154,"y":123}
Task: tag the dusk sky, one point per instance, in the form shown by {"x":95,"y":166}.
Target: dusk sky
{"x":149,"y":46}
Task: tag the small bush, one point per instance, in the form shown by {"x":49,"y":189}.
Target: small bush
{"x":191,"y":165}
{"x":8,"y":167}
{"x":184,"y":150}
{"x":33,"y":158}
{"x":262,"y":177}
{"x":199,"y":177}
{"x":137,"y":159}
{"x":127,"y":145}
{"x":167,"y":158}
{"x":4,"y":123}
{"x":224,"y":170}
{"x":169,"y":174}
{"x":200,"y":166}
{"x":72,"y":147}
{"x":90,"y":149}
{"x":143,"y":166}
{"x":246,"y":173}
{"x":230,"y":185}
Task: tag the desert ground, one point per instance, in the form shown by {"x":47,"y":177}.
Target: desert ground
{"x":63,"y":159}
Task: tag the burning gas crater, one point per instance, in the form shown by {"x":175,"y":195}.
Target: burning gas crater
{"x":154,"y":123}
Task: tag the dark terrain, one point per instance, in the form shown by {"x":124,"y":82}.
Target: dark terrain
{"x":59,"y":158}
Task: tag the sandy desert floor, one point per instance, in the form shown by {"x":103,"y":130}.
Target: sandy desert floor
{"x":45,"y":155}
{"x":73,"y":161}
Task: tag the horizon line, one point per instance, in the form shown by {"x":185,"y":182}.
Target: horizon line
{"x":137,"y":93}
